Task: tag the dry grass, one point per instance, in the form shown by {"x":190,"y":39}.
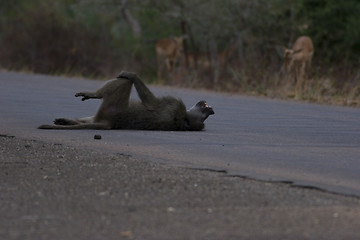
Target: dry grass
{"x":319,"y":89}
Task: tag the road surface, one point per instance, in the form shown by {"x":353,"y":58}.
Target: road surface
{"x":306,"y":144}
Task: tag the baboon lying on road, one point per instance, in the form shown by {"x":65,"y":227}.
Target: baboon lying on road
{"x":152,"y":113}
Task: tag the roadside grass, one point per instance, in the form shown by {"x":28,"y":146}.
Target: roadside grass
{"x":318,"y":89}
{"x":85,"y":45}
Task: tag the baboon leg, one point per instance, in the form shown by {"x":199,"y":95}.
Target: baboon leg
{"x":121,"y":88}
{"x":115,"y":94}
{"x":96,"y":126}
{"x":116,"y":89}
{"x":116,"y":97}
{"x":66,"y":121}
{"x":86,"y":119}
{"x":146,"y":96}
{"x":121,"y":95}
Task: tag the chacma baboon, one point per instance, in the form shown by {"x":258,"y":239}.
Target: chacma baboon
{"x":152,"y":113}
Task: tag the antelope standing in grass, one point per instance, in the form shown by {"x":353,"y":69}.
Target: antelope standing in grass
{"x":297,"y":62}
{"x":168,"y":53}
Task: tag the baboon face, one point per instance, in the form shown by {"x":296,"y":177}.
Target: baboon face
{"x":200,"y":111}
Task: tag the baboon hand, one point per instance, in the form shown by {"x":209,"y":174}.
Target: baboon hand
{"x":127,"y":75}
{"x":80,"y":94}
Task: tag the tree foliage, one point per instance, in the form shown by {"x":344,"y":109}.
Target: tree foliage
{"x":334,"y":27}
{"x":98,"y":38}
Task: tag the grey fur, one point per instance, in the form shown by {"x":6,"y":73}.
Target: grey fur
{"x":151,"y":113}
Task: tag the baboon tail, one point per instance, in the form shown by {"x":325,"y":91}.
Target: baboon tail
{"x":96,"y":126}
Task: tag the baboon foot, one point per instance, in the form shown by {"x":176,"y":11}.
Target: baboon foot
{"x":127,"y":75}
{"x":83,"y":95}
{"x":45,"y":126}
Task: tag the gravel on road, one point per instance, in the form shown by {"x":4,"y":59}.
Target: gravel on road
{"x":54,"y":191}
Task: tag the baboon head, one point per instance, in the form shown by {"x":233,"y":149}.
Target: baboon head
{"x":197,"y":114}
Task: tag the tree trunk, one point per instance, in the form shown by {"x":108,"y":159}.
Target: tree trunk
{"x":214,"y":61}
{"x":134,"y":24}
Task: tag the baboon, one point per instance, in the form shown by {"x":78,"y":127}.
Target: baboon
{"x":151,"y":113}
{"x":297,"y":61}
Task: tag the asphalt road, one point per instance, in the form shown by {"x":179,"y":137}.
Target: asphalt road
{"x":307,"y":144}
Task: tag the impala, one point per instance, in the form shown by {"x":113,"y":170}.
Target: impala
{"x":297,"y":61}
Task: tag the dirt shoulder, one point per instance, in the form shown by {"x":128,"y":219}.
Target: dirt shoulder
{"x":53,"y":191}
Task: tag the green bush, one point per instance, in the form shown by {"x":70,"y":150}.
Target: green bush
{"x":55,"y":37}
{"x":96,"y":39}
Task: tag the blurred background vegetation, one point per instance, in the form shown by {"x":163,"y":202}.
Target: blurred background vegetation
{"x":98,"y":39}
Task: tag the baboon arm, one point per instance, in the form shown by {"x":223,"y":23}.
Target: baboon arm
{"x":107,"y":90}
{"x":146,"y":96}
